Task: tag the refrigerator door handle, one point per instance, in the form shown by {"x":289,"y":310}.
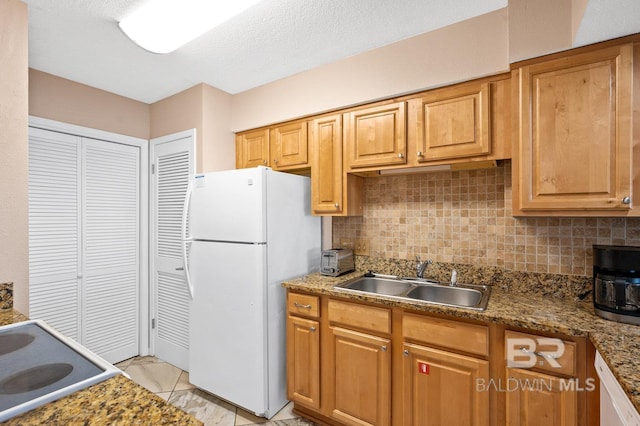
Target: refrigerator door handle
{"x":186,"y":239}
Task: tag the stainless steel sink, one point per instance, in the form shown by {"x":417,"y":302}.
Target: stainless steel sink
{"x":455,"y":296}
{"x":421,"y":291}
{"x":376,"y":285}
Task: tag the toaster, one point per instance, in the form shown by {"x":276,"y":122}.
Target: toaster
{"x":337,"y":262}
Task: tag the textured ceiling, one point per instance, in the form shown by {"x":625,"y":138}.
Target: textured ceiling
{"x":80,"y":40}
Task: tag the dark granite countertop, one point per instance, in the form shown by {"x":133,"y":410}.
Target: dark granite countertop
{"x":618,"y":343}
{"x":117,"y":401}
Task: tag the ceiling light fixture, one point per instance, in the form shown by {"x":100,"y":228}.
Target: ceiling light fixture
{"x":162,"y":26}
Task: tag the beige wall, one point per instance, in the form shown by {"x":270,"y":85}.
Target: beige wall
{"x":64,"y":100}
{"x":539,"y":27}
{"x":14,"y":227}
{"x":466,"y":217}
{"x":218,"y":151}
{"x":206,"y":109}
{"x":463,"y":51}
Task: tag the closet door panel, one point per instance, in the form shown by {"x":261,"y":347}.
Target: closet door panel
{"x":111,"y":248}
{"x":54,"y":230}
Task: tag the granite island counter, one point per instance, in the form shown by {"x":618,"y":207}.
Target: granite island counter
{"x":616,"y":342}
{"x":116,"y":401}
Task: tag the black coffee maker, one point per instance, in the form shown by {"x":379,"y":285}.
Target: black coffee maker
{"x":616,"y":283}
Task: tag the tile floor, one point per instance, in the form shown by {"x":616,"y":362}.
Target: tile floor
{"x":172,"y":384}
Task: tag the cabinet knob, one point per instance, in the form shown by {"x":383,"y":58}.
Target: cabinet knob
{"x":275,"y":161}
{"x":420,"y":154}
{"x":264,"y":161}
{"x":336,"y":205}
{"x":400,"y":155}
{"x":405,"y":352}
{"x":384,"y":348}
{"x":626,"y":200}
{"x":312,"y":329}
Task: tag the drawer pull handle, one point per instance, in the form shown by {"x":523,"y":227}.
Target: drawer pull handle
{"x":541,"y":355}
{"x":301,"y":306}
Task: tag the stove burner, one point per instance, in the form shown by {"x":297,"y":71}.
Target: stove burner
{"x":35,"y":378}
{"x":12,"y":342}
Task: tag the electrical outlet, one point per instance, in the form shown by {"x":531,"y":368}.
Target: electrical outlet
{"x":361,"y":248}
{"x":347,"y":243}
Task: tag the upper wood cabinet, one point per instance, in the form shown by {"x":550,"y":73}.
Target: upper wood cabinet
{"x":252,"y":148}
{"x":281,"y":147}
{"x":288,"y":146}
{"x":450,"y":123}
{"x":574,"y":147}
{"x":375,"y":136}
{"x":333,"y":193}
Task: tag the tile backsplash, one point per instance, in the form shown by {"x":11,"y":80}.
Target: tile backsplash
{"x":466,"y":217}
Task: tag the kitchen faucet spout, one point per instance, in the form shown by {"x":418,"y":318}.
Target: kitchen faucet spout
{"x":421,"y":266}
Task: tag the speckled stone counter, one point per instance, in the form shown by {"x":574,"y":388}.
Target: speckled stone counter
{"x":116,"y":401}
{"x":6,"y":295}
{"x":619,"y":344}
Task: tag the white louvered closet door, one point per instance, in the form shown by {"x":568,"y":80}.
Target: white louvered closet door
{"x":84,"y":233}
{"x":54,"y":230}
{"x":172,"y":158}
{"x":111,"y":224}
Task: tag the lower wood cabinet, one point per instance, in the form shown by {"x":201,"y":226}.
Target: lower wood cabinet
{"x":361,"y":364}
{"x":303,"y":366}
{"x":303,"y":350}
{"x":535,"y":398}
{"x":546,"y":380}
{"x":361,"y":367}
{"x":440,"y":387}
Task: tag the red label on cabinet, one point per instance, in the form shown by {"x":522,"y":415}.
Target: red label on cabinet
{"x":423,"y":368}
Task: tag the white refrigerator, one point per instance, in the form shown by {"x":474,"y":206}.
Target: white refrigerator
{"x":247,"y":230}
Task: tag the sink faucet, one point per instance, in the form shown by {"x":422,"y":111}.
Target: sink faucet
{"x":454,"y":278}
{"x":421,"y":266}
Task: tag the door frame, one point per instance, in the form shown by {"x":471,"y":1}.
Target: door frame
{"x":152,"y":237}
{"x":143,"y":145}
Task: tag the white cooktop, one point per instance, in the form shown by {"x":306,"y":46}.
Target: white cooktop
{"x":39,"y":365}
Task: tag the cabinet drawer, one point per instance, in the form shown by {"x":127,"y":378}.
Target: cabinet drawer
{"x":303,"y":304}
{"x":450,"y":334}
{"x":548,"y":355}
{"x":361,"y":316}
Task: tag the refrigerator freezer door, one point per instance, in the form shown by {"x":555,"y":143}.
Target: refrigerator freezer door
{"x":229,"y":206}
{"x":228,"y":355}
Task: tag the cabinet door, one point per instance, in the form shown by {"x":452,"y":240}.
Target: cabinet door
{"x":376,"y":136}
{"x":252,"y":149}
{"x":442,"y":388}
{"x":538,"y":399}
{"x":326,"y":164}
{"x":451,"y":123}
{"x":289,"y":146}
{"x":303,"y":361}
{"x":361,"y":377}
{"x":575,"y":137}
